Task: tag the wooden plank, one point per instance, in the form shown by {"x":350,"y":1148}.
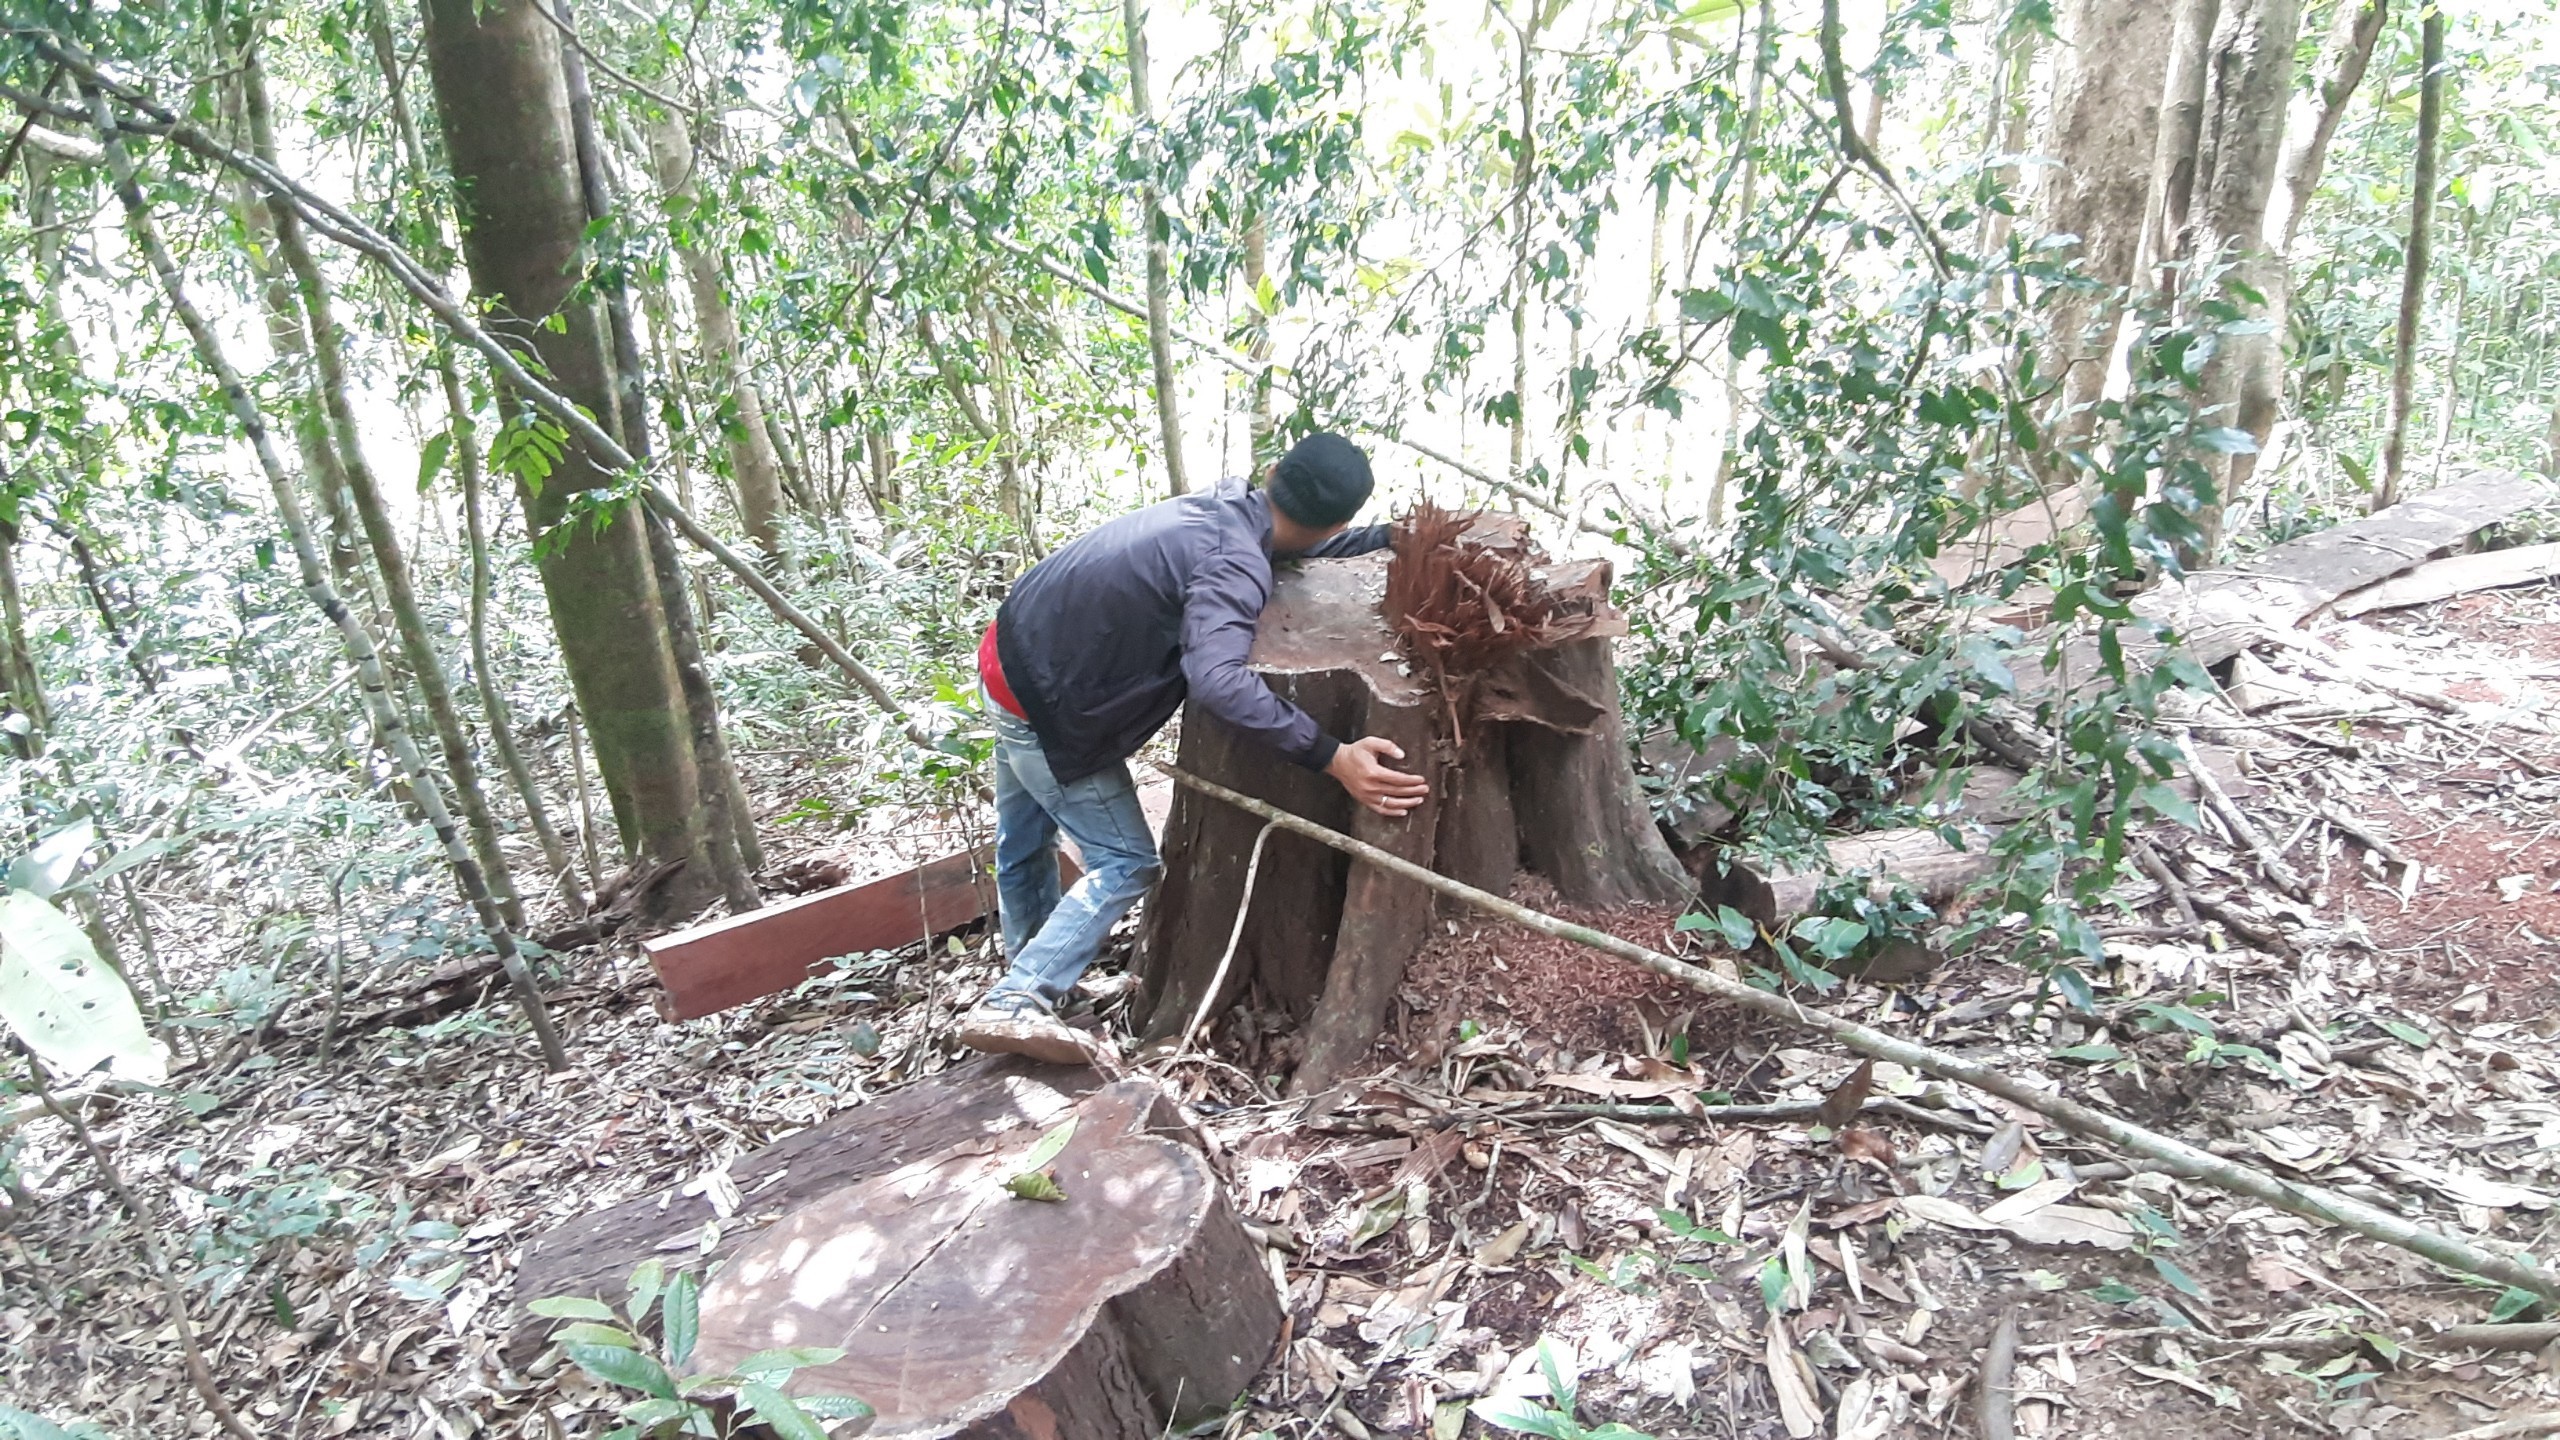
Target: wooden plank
{"x":2454,"y":575}
{"x":2219,"y":613}
{"x":2216,"y":614}
{"x":708,"y":968}
{"x":731,"y":961}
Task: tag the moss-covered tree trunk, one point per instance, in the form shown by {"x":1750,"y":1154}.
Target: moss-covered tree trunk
{"x":499,"y":89}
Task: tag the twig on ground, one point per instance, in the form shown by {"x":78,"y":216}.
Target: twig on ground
{"x":2219,"y":801}
{"x":2499,"y":1337}
{"x":2455,"y":1251}
{"x":199,"y":1373}
{"x":1999,"y":1399}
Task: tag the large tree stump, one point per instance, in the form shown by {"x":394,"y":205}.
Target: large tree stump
{"x":978,"y":1102}
{"x":1529,"y":767}
{"x":1134,"y":1306}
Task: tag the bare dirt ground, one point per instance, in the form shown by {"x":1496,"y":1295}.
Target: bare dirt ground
{"x":1540,"y":1164}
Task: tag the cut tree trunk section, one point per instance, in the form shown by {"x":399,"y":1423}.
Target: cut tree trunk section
{"x":1529,"y":768}
{"x":1132,"y":1305}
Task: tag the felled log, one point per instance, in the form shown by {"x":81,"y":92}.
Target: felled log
{"x":1914,"y":859}
{"x":980,"y":1102}
{"x":2216,"y":614}
{"x":2454,"y":575}
{"x":1130,"y":1306}
{"x":1503,"y":692}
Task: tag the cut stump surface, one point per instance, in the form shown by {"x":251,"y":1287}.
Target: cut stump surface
{"x":1135,"y":1303}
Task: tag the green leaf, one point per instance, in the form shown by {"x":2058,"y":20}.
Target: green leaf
{"x":835,"y":1407}
{"x":1050,"y":1144}
{"x":587,"y":1332}
{"x":571,"y":1307}
{"x":431,"y":458}
{"x":2407,"y":1034}
{"x":62,"y":1001}
{"x":43,"y":870}
{"x":778,"y":1364}
{"x":2179,"y":1279}
{"x":629,"y":1369}
{"x":2094,"y":1053}
{"x":2114,"y":1292}
{"x":23,"y":1426}
{"x":2512,"y":1302}
{"x":654,"y":1411}
{"x":648,"y":1278}
{"x":775,"y":1409}
{"x":683,"y":1317}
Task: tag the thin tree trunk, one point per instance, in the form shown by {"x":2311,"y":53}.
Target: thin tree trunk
{"x":1020,"y":499}
{"x":883,"y":458}
{"x":493,"y":694}
{"x":1159,"y":265}
{"x":2314,"y":115}
{"x":426,"y":666}
{"x":1524,"y":175}
{"x":2249,"y":67}
{"x":2551,"y":443}
{"x":1764,"y":55}
{"x":1260,"y":425}
{"x":1168,"y":411}
{"x":17,"y":662}
{"x":392,"y":732}
{"x":2413,"y":275}
{"x":991,"y":429}
{"x":2173,"y":156}
{"x":752,"y":463}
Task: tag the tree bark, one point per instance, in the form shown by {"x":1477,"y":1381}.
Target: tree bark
{"x":726,"y":834}
{"x":1159,"y":265}
{"x":2249,"y":81}
{"x":389,"y":728}
{"x":2413,"y":274}
{"x":752,"y":463}
{"x":2315,"y":112}
{"x":2101,"y":131}
{"x":1260,"y":424}
{"x":1524,"y":175}
{"x":426,"y":666}
{"x":18,"y":672}
{"x":503,"y":98}
{"x":2173,"y":157}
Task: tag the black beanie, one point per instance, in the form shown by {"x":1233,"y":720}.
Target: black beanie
{"x":1322,"y":482}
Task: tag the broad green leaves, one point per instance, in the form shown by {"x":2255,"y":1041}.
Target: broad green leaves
{"x":65,"y":1003}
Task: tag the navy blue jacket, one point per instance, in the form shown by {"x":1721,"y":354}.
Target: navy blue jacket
{"x":1102,"y":640}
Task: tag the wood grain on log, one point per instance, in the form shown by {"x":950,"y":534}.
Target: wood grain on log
{"x":592,"y":1255}
{"x":1135,"y":1304}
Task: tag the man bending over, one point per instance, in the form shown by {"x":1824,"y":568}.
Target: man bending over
{"x":1090,"y":655}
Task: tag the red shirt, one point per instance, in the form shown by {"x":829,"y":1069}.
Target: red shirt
{"x":991,"y":674}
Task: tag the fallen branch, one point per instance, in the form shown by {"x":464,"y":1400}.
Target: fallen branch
{"x":1998,"y":1406}
{"x":199,"y":1373}
{"x":2454,"y":1251}
{"x":2499,"y":1337}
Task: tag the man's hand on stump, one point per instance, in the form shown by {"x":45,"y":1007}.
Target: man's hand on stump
{"x":1361,"y":767}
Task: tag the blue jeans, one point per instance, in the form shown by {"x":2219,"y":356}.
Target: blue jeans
{"x":1052,"y":938}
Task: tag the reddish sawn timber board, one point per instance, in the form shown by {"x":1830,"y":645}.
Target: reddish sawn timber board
{"x":746,"y":957}
{"x":709,"y":968}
